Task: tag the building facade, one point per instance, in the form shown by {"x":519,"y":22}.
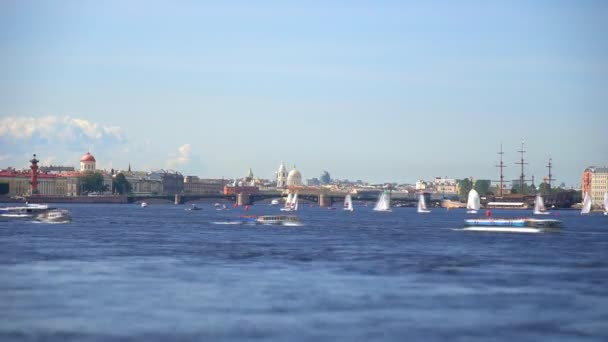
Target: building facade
{"x":282,"y":176}
{"x":595,"y":182}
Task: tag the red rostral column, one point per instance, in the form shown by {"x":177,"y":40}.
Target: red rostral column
{"x":34,"y":181}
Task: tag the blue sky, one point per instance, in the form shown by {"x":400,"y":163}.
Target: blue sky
{"x":377,"y":90}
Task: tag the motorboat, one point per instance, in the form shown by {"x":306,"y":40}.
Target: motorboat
{"x":516,"y":225}
{"x":274,"y":202}
{"x":25,"y":211}
{"x":271,"y":220}
{"x":280,"y":220}
{"x":54,"y":216}
{"x":193,"y":207}
{"x":144,"y":204}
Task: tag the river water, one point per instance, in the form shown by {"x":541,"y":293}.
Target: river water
{"x":120,"y":272}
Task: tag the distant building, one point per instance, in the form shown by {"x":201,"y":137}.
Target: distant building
{"x":313,"y":182}
{"x":87,"y":162}
{"x":294,"y":178}
{"x":282,"y":176}
{"x":595,"y":182}
{"x":172,"y":183}
{"x":56,"y":169}
{"x":445,"y":185}
{"x":420,"y":185}
{"x":196,"y":186}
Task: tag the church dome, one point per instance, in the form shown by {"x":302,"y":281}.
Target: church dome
{"x":294,"y":178}
{"x":87,"y":158}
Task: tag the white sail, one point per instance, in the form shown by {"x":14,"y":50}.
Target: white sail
{"x":473,"y":202}
{"x":586,"y":204}
{"x":294,"y":202}
{"x":539,"y":206}
{"x":422,"y":205}
{"x":606,"y":203}
{"x":384,"y":202}
{"x":288,"y":200}
{"x":348,"y":203}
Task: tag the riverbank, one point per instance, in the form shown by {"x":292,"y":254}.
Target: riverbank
{"x":66,"y":199}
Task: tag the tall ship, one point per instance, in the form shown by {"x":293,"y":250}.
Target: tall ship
{"x":521,"y":199}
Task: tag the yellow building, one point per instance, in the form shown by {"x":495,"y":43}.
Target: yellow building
{"x":598,"y":184}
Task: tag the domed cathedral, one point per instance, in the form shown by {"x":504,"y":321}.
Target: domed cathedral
{"x":282,"y":176}
{"x":294,"y":178}
{"x":87,"y":162}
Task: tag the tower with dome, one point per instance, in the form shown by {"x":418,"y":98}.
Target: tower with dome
{"x":282,"y":176}
{"x":87,"y":163}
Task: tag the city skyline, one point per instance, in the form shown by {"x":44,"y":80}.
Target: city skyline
{"x":389,"y":92}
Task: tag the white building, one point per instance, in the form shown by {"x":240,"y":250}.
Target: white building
{"x":420,"y":185}
{"x":281,"y":176}
{"x":294,"y":178}
{"x":87,"y":162}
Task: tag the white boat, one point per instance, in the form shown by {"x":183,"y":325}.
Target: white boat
{"x":606,"y":203}
{"x":279,"y":220}
{"x":507,"y":225}
{"x":539,"y":206}
{"x":422,"y":209}
{"x":348,"y":203}
{"x":473,"y":202}
{"x":586,"y":204}
{"x":54,"y":216}
{"x":384,"y":202}
{"x":221,"y":207}
{"x":144,"y":204}
{"x":193,"y":207}
{"x":274,"y":202}
{"x":28,"y":210}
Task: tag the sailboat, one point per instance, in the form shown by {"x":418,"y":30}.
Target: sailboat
{"x":287,"y":206}
{"x":291,"y":204}
{"x":606,"y":203}
{"x":294,"y":202}
{"x":384,"y":202}
{"x":473,"y":202}
{"x":586,"y":204}
{"x":539,"y":206}
{"x":422,"y":205}
{"x":348,"y":203}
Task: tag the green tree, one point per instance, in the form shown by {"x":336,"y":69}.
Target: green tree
{"x":544,"y":188}
{"x":465,"y":185}
{"x":482,"y":186}
{"x":514,"y":191}
{"x":121,"y":184}
{"x":92,"y":182}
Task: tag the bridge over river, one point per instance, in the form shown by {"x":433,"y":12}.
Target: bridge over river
{"x":322,"y":198}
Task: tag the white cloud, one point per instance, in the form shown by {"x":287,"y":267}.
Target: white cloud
{"x":183,"y":156}
{"x":57,"y":128}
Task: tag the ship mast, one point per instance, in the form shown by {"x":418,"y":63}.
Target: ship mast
{"x":549,"y":166}
{"x":522,"y":162}
{"x":501,"y":165}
